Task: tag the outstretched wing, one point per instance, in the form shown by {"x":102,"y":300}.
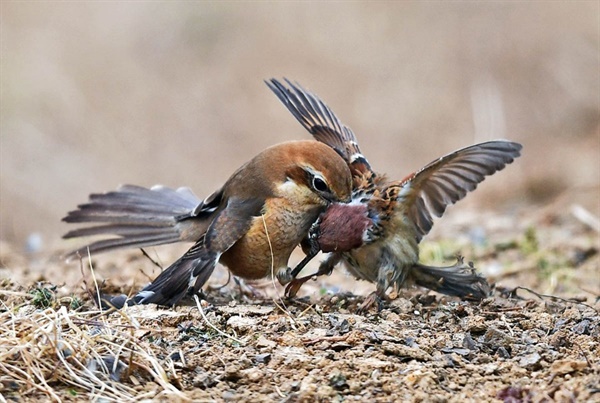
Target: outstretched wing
{"x":443,"y":182}
{"x":320,"y":121}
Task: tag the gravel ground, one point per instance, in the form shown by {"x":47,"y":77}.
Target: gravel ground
{"x":536,"y":339}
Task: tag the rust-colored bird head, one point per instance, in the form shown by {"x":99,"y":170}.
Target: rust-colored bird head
{"x":305,"y":172}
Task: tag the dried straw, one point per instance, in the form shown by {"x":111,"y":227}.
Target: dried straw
{"x":62,"y":354}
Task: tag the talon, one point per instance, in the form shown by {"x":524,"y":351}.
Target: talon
{"x":292,"y":288}
{"x":369,"y":301}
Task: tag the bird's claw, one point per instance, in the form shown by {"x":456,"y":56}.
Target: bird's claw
{"x":294,"y":286}
{"x":370,"y":301}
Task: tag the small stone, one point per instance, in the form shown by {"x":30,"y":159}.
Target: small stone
{"x":400,"y":350}
{"x":476,"y":324}
{"x":338,"y":382}
{"x":340,"y":346}
{"x":262,"y":341}
{"x":253,"y":374}
{"x":496,"y":338}
{"x":502,"y":352}
{"x":460,"y":351}
{"x":530,"y":361}
{"x":262,"y":358}
{"x":402,"y":305}
{"x":468,"y":342}
{"x":242,"y":323}
{"x":572,"y":313}
{"x":566,"y":366}
{"x":582,"y":327}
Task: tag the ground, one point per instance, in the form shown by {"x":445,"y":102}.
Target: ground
{"x":537,"y":338}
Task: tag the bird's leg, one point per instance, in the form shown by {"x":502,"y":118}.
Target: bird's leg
{"x":310,"y":246}
{"x":325,"y":268}
{"x":311,"y":254}
{"x":388,"y":274}
{"x":289,"y":275}
{"x":246,"y":289}
{"x":376,"y":297}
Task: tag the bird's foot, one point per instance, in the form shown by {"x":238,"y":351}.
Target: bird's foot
{"x":294,"y":286}
{"x":373,"y":299}
{"x":247,"y":290}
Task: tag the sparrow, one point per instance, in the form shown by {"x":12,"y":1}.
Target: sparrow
{"x":377,"y":234}
{"x":251,"y":225}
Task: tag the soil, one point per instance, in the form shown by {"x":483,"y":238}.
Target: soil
{"x":537,"y":338}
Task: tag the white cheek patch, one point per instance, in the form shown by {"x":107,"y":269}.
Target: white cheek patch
{"x":289,"y":186}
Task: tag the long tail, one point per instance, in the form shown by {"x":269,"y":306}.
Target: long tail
{"x":136,"y":217}
{"x":460,"y":280}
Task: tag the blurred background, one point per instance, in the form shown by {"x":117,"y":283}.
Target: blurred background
{"x":105,"y":93}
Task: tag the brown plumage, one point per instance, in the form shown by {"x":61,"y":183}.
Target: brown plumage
{"x":385,"y":250}
{"x":251,"y":225}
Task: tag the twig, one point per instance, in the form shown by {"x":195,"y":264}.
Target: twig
{"x":16,"y":294}
{"x":282,"y":307}
{"x":586,"y":217}
{"x":87,"y":287}
{"x":279,"y":391}
{"x":554,"y":297}
{"x":150,"y":259}
{"x":213,"y":326}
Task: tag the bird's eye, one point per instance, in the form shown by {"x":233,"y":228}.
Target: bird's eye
{"x":320,"y":185}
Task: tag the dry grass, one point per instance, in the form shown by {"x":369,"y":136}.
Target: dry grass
{"x":91,"y":356}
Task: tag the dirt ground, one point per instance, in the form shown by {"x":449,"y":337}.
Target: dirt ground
{"x":536,"y":339}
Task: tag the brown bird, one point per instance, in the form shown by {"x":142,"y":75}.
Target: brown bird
{"x":378,"y":233}
{"x":251,"y":225}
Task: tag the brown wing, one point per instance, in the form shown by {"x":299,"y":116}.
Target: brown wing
{"x":320,"y":121}
{"x":447,"y":180}
{"x":189,"y":273}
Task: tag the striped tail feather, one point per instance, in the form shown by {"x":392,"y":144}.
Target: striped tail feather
{"x":134,"y":216}
{"x":460,"y":280}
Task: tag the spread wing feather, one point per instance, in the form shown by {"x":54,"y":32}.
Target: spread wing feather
{"x":443,"y":182}
{"x":320,"y":121}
